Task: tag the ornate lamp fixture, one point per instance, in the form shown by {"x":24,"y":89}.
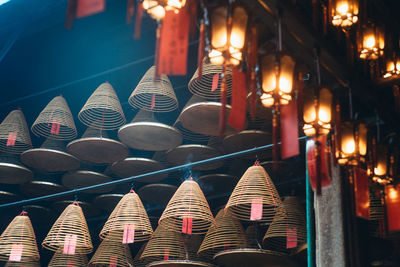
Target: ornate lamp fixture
{"x":317,"y":113}
{"x":392,"y":66}
{"x":380,"y":171}
{"x":371,"y":42}
{"x":344,"y":13}
{"x":156,"y":8}
{"x":352,"y":147}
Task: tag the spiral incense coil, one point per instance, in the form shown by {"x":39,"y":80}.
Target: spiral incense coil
{"x":288,"y":229}
{"x":103,"y":110}
{"x":154,"y":93}
{"x":22,"y":264}
{"x":253,"y":189}
{"x":70,"y":229}
{"x":112,"y":252}
{"x":129,"y":212}
{"x":14,"y":133}
{"x":60,"y":259}
{"x":227,"y":234}
{"x":18,"y":241}
{"x":188,"y":204}
{"x":55,"y":121}
{"x":211,"y":75}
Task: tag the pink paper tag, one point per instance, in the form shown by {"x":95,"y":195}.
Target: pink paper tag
{"x":16,"y":252}
{"x":129,"y":234}
{"x":153,"y":101}
{"x":69,"y":244}
{"x":12,"y":136}
{"x":256,"y":209}
{"x":215,"y":82}
{"x":291,"y":237}
{"x":166,"y":254}
{"x":55,"y":127}
{"x":187,"y":224}
{"x":113,"y":260}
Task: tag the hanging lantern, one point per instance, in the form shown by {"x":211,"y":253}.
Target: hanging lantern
{"x":353,"y":143}
{"x":380,"y":168}
{"x":371,"y":42}
{"x":317,"y":114}
{"x":156,"y":8}
{"x":344,"y":13}
{"x":277,"y":86}
{"x":392,"y":66}
{"x":228,"y":22}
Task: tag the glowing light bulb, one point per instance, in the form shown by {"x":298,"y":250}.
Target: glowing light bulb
{"x":342,"y":8}
{"x":369,"y":42}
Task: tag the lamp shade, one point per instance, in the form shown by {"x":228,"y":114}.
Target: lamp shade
{"x":103,"y":110}
{"x":14,"y":133}
{"x":70,"y":231}
{"x":188,"y":206}
{"x":60,"y":259}
{"x":344,"y":13}
{"x":112,"y":252}
{"x":255,"y":196}
{"x":324,"y":112}
{"x":55,"y":121}
{"x":128,"y":216}
{"x":154,"y":94}
{"x":18,"y":241}
{"x":371,"y":42}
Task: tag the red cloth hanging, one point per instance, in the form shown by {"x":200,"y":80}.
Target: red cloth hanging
{"x":89,"y":7}
{"x":172,"y":58}
{"x":312,"y":162}
{"x":361,"y":193}
{"x":392,"y":197}
{"x":289,"y":130}
{"x":130,"y":9}
{"x":138,"y":20}
{"x":237,"y":116}
{"x":251,"y":70}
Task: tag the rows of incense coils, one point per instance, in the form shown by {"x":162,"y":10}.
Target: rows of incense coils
{"x":187,"y":233}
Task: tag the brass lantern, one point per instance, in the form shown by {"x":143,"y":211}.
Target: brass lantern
{"x":277,"y":86}
{"x":344,"y":13}
{"x":353,"y":143}
{"x":156,"y":8}
{"x":371,"y":42}
{"x":228,"y":35}
{"x":317,"y":115}
{"x":392,"y":66}
{"x":380,"y":171}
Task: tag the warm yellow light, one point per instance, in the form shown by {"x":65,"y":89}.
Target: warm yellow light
{"x":392,"y":193}
{"x":372,"y":43}
{"x":344,"y":13}
{"x":154,"y":9}
{"x":369,"y":42}
{"x":348,"y":146}
{"x":267,"y":100}
{"x":362,"y":139}
{"x":324,"y":113}
{"x":342,"y":8}
{"x":175,"y":4}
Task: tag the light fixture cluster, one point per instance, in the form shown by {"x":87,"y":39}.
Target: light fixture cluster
{"x":157,"y":8}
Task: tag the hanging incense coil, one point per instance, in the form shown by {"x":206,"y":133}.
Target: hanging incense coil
{"x":128,"y":212}
{"x":89,"y":210}
{"x":22,"y":264}
{"x":14,"y":133}
{"x":103,"y":110}
{"x":136,"y":166}
{"x":112,"y":252}
{"x":71,"y":224}
{"x":12,"y":171}
{"x":253,"y":188}
{"x":157,"y":194}
{"x":227,"y":233}
{"x":202,"y":116}
{"x":209,"y":85}
{"x":50,"y":157}
{"x":84,"y":178}
{"x":288,"y":229}
{"x":154,"y":93}
{"x":60,"y":259}
{"x":188,"y":203}
{"x":146,"y":133}
{"x":18,"y":241}
{"x":96,"y":147}
{"x":55,"y":121}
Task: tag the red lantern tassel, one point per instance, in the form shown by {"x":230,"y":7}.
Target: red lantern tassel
{"x":252,"y":62}
{"x":130,"y":9}
{"x":275,"y":141}
{"x":138,"y":21}
{"x":222,"y":115}
{"x":71,"y":12}
{"x":200,"y":55}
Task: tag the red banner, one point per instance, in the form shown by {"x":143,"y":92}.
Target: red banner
{"x":361,"y":192}
{"x":237,"y":116}
{"x":173,"y":50}
{"x":89,"y":7}
{"x":289,"y":130}
{"x":392,"y":196}
{"x":312,"y":162}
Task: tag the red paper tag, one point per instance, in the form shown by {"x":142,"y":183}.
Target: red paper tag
{"x":16,"y":252}
{"x":153,"y":101}
{"x":129,"y":234}
{"x":12,"y":136}
{"x":166,"y":254}
{"x":174,"y":41}
{"x":70,"y":263}
{"x":89,"y":7}
{"x":237,"y":116}
{"x":55,"y":127}
{"x":392,"y":196}
{"x":289,"y":130}
{"x":187,"y":224}
{"x":69,"y":244}
{"x":256,"y":209}
{"x":361,"y":193}
{"x":312,"y":163}
{"x":291,"y":237}
{"x":113,"y":260}
{"x":215,"y":81}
